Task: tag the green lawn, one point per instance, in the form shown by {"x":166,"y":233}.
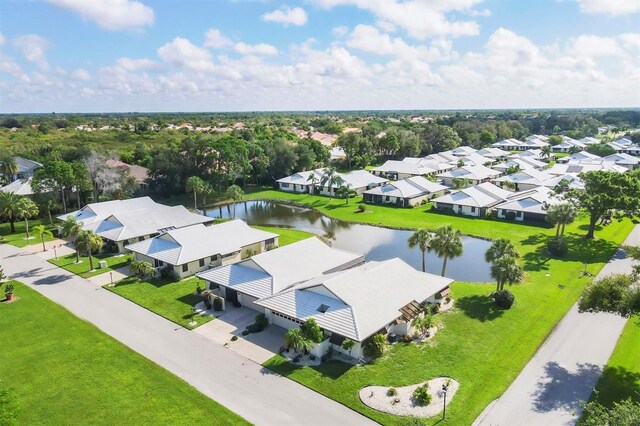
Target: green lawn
{"x":173,"y":300}
{"x":19,"y":238}
{"x":83,"y":268}
{"x":481,"y":347}
{"x":621,"y":378}
{"x":66,"y":371}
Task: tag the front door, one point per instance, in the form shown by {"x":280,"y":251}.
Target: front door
{"x":231,"y":295}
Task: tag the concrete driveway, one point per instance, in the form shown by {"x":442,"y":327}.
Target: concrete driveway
{"x":116,"y":274}
{"x":258,"y":347}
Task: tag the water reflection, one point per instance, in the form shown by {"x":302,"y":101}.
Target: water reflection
{"x":375,"y":243}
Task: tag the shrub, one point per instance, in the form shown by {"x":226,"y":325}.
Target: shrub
{"x":312,"y":331}
{"x":557,"y":246}
{"x":361,"y":208}
{"x":377,"y":346}
{"x":245,"y":332}
{"x":510,"y":215}
{"x":392,"y":392}
{"x":234,"y":338}
{"x":253,"y":328}
{"x":421,"y":395}
{"x":261,"y":322}
{"x":217,"y":304}
{"x":504,"y":299}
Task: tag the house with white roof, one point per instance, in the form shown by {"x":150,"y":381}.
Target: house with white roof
{"x":441,"y":157}
{"x":408,"y":192}
{"x":473,"y":201}
{"x":473,"y":174}
{"x":19,"y":187}
{"x":625,"y":160}
{"x":532,"y":142}
{"x":527,"y":206}
{"x":583,"y":167}
{"x":357,"y":303}
{"x":493,"y":153}
{"x":568,"y":144}
{"x":571,"y":180}
{"x":579,"y":156}
{"x":521,"y":163}
{"x":271,"y":272}
{"x":474,"y":159}
{"x":437,"y":163}
{"x":625,"y":146}
{"x":524,"y":179}
{"x":589,"y":140}
{"x":396,"y":170}
{"x":122,"y":222}
{"x":192,"y":249}
{"x":462,"y":151}
{"x":357,"y":180}
{"x":26,"y":168}
{"x":536,"y":154}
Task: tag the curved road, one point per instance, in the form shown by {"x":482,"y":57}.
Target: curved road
{"x":255,"y":393}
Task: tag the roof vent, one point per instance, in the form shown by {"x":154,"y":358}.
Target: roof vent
{"x":322,"y":308}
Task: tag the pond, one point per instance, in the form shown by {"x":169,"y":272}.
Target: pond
{"x":374,"y":242}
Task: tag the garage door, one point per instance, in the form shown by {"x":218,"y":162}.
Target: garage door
{"x":283,"y":322}
{"x":249,"y":302}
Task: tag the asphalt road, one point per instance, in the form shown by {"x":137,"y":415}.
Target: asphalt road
{"x":255,"y":393}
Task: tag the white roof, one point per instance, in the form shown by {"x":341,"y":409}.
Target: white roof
{"x":483,"y":195}
{"x":528,"y":176}
{"x":407,"y":188}
{"x":575,"y":168}
{"x":359,"y":301}
{"x":530,"y":153}
{"x":18,"y":187}
{"x":492,"y":152}
{"x":404,"y":167}
{"x":578,"y":156}
{"x":441,"y":157}
{"x":120,"y":220}
{"x":283,"y":267}
{"x":462,"y":151}
{"x":184,"y":245}
{"x":589,"y":140}
{"x":622,"y":158}
{"x":26,"y":165}
{"x":470,"y":172}
{"x":357,"y":178}
{"x":474,"y":159}
{"x":521,"y":162}
{"x":533,"y":201}
{"x":572,"y":179}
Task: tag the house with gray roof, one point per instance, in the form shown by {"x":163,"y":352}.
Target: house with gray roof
{"x":528,"y":206}
{"x":311,"y":181}
{"x":397,"y":170}
{"x":472,"y":201}
{"x":197,"y":248}
{"x":523,"y":180}
{"x":473,"y":174}
{"x":408,"y":192}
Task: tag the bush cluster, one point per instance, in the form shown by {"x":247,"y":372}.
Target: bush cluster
{"x":557,"y":246}
{"x":504,"y":299}
{"x":421,"y":395}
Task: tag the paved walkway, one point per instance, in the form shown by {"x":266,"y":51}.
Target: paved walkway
{"x":257,"y":394}
{"x":109,"y":276}
{"x":567,"y":366}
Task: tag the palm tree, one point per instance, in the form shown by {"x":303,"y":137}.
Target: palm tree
{"x":331,"y":178}
{"x":447,"y":243}
{"x":345,"y":191}
{"x":546,"y":152}
{"x":505,"y":270}
{"x":8,"y":168}
{"x":561,"y":215}
{"x":235,"y":193}
{"x":500,"y":248}
{"x":195,"y":185}
{"x":422,"y":239}
{"x":25,"y":210}
{"x":42,"y":232}
{"x":141,"y":269}
{"x":423,"y":323}
{"x":89,"y":241}
{"x":295,"y":339}
{"x":71,"y":228}
{"x":313,"y":178}
{"x":9,"y":203}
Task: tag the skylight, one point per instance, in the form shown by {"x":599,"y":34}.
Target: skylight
{"x":322,"y":308}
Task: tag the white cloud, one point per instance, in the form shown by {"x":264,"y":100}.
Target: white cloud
{"x":630,"y":40}
{"x":112,"y":15}
{"x":255,"y":49}
{"x":9,"y":66}
{"x":215,"y":40}
{"x":421,"y":19}
{"x":182,"y":53}
{"x":2,"y":39}
{"x":129,"y":64}
{"x":33,"y":47}
{"x":287,"y":16}
{"x":479,"y":12}
{"x":592,"y":46}
{"x":610,"y":7}
{"x":340,"y":31}
{"x":81,"y":74}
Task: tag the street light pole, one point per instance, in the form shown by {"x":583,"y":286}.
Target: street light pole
{"x":55,"y":252}
{"x":444,"y":407}
{"x":111,"y":277}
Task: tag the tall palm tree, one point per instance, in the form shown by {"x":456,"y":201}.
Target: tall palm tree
{"x":313,"y":178}
{"x":42,"y":232}
{"x":71,"y":228}
{"x":345,"y":191}
{"x":89,"y":242}
{"x":9,"y":203}
{"x":195,"y":185}
{"x":505,"y":270}
{"x":331,"y":178}
{"x":26,"y":209}
{"x":422,"y":239}
{"x":447,"y":243}
{"x":546,"y":152}
{"x":8,"y":168}
{"x":235,"y":193}
{"x":561,"y":215}
{"x":499,"y":248}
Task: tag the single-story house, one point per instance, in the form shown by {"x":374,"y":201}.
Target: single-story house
{"x":529,"y":206}
{"x":473,"y":174}
{"x":441,"y":157}
{"x":273,"y":271}
{"x":579,"y":156}
{"x":568,"y":144}
{"x":572,"y":180}
{"x":625,"y":160}
{"x":532,"y":142}
{"x":462,"y":151}
{"x":589,"y":140}
{"x":580,"y":167}
{"x":625,"y":146}
{"x":493,"y":153}
{"x":138,"y":173}
{"x":396,"y":170}
{"x":525,"y":179}
{"x":407,"y":192}
{"x":26,"y":168}
{"x":521,"y":163}
{"x":473,"y":160}
{"x":358,"y":181}
{"x":19,"y":187}
{"x":376,"y":297}
{"x":535,"y":154}
{"x":197,"y":248}
{"x":472,"y":201}
{"x":437,"y":164}
{"x":122,"y":222}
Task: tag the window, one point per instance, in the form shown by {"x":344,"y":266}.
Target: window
{"x":387,"y":198}
{"x":185,"y":267}
{"x":322,"y":308}
{"x":284,"y":185}
{"x":201,"y":263}
{"x":473,"y":209}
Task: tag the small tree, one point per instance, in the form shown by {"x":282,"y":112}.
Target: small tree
{"x":26,"y":210}
{"x":195,"y":185}
{"x":42,"y":232}
{"x":141,"y":269}
{"x":2,"y":275}
{"x":71,"y":228}
{"x":312,"y":331}
{"x":235,"y":193}
{"x":500,"y":248}
{"x":616,"y":293}
{"x":447,"y":243}
{"x":624,"y":413}
{"x":506,"y":270}
{"x":423,"y":323}
{"x":89,"y":242}
{"x":295,"y":339}
{"x":347,"y":345}
{"x":345,"y":191}
{"x":377,"y":346}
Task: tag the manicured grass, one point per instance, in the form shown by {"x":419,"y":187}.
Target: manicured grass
{"x":66,"y":371}
{"x":287,"y":236}
{"x":481,"y":347}
{"x":167,"y":298}
{"x":621,"y":378}
{"x":18,"y":238}
{"x":83,"y":268}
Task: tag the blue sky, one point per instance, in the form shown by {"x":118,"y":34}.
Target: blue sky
{"x":143,"y":55}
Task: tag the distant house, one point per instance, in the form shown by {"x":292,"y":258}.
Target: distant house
{"x":522,"y":163}
{"x":26,"y":168}
{"x":536,"y":154}
{"x":625,"y":160}
{"x":407,"y":192}
{"x":571,"y":180}
{"x":473,"y":201}
{"x":19,"y":187}
{"x":462,"y":151}
{"x":589,"y":140}
{"x":269,"y":273}
{"x":377,"y":297}
{"x":442,"y":157}
{"x":435,"y":162}
{"x":579,"y":156}
{"x":525,"y":179}
{"x":358,"y":181}
{"x":139,"y":173}
{"x":122,"y":222}
{"x":396,"y":170}
{"x":532,"y":142}
{"x":625,"y":146}
{"x":473,"y":174}
{"x":568,"y":144}
{"x":474,"y":159}
{"x":493,"y":153}
{"x":582,"y":167}
{"x":196,"y":248}
{"x":527,"y":206}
